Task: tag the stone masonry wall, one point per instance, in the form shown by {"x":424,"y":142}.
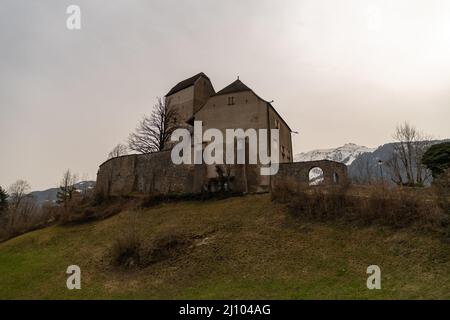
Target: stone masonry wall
{"x":146,"y":174}
{"x":155,"y":173}
{"x":297,"y":173}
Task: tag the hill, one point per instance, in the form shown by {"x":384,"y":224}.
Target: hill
{"x":362,"y":161}
{"x":245,"y":247}
{"x":49,"y":195}
{"x":366,"y":165}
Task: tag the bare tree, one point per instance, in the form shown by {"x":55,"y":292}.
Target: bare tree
{"x":28,"y":206}
{"x":21,"y":205}
{"x":409,"y":148}
{"x":394,"y":166}
{"x":118,"y":151}
{"x":17,"y":192}
{"x":423,"y":174}
{"x":67,"y":187}
{"x":153,"y":133}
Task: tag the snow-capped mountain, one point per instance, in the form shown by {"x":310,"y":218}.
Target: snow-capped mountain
{"x":345,"y":154}
{"x":363,"y":163}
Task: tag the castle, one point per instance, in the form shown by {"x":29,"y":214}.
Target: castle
{"x":235,"y":106}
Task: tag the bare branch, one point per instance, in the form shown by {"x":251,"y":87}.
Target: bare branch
{"x":153,"y":132}
{"x":18,"y":191}
{"x":118,"y":151}
{"x":409,"y":149}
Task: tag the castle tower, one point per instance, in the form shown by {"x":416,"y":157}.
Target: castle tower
{"x":189,"y":95}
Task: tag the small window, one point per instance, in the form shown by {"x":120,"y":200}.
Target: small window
{"x":230,"y":101}
{"x":277,"y":124}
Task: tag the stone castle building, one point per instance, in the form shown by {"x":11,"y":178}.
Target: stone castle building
{"x":234,"y":107}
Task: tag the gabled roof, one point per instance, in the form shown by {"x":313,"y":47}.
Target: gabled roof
{"x":239,"y":86}
{"x":186,"y":83}
{"x":236,"y":86}
{"x":282,"y":119}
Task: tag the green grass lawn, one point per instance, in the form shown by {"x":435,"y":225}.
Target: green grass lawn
{"x":243,"y":248}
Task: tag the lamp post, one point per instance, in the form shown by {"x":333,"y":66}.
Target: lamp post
{"x":380,"y":165}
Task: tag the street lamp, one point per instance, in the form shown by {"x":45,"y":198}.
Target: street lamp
{"x":380,"y":165}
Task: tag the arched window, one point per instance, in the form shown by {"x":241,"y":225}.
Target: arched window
{"x":335,"y":178}
{"x":315,"y":176}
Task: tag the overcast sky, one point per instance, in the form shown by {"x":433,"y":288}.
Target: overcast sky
{"x":338,"y":71}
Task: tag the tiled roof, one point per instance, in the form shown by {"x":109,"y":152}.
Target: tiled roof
{"x":186,"y":83}
{"x":239,"y":86}
{"x":236,"y":86}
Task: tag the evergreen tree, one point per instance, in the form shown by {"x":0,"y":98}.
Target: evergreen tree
{"x":437,"y":158}
{"x":65,"y":194}
{"x":3,"y":200}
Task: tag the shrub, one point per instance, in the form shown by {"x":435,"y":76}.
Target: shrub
{"x":99,"y":199}
{"x":131,"y":250}
{"x":127,"y":248}
{"x":86,"y":209}
{"x":25,"y":217}
{"x":165,"y":247}
{"x":441,"y":188}
{"x":377,"y":204}
{"x":159,"y":198}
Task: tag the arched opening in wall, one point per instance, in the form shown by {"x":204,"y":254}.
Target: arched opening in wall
{"x":315,"y":176}
{"x":335,"y":178}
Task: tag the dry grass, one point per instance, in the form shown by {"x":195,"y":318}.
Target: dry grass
{"x":245,"y":247}
{"x":131,"y":250}
{"x":379,"y":204}
{"x":127,"y":248}
{"x":89,"y":209}
{"x":441,"y":188}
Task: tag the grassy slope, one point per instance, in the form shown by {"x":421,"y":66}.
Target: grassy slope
{"x":253,"y":250}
